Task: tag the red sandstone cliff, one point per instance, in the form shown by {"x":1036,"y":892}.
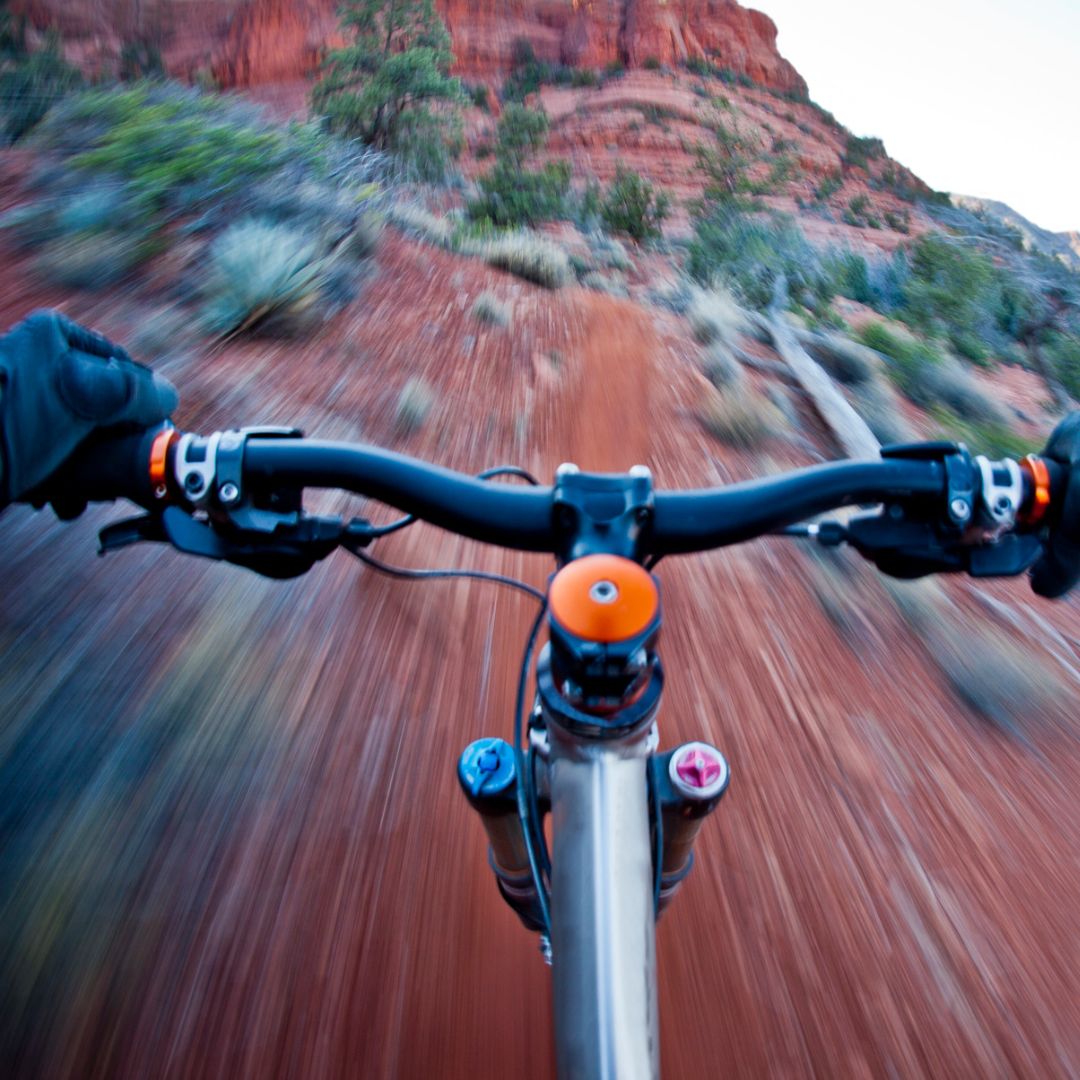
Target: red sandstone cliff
{"x":258,"y":41}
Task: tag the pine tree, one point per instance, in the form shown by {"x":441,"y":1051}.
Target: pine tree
{"x":381,"y":88}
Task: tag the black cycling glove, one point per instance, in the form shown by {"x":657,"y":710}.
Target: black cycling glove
{"x":1058,"y":568}
{"x":59,"y":382}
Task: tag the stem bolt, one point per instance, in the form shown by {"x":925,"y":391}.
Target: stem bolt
{"x":960,"y":509}
{"x":228,"y":493}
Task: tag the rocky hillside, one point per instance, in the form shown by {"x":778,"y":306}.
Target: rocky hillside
{"x":1064,"y":245}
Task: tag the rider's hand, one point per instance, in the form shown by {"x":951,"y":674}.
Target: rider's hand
{"x":59,"y":382}
{"x":1058,"y":569}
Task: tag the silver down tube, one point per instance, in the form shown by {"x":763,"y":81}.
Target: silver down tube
{"x":602,"y":918}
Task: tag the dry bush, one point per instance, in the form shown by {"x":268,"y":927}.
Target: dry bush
{"x":845,"y":360}
{"x":528,"y":256}
{"x":740,"y":418}
{"x":994,"y":674}
{"x":490,"y":309}
{"x":524,"y":253}
{"x":86,"y":261}
{"x":259,"y":270}
{"x":413,"y":405}
{"x":953,"y":386}
{"x":721,"y":368}
{"x":612,"y":286}
{"x":714,"y":316}
{"x":610,"y":253}
{"x":422,"y":223}
{"x":880,"y":406}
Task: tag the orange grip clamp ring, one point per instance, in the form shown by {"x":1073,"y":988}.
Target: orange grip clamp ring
{"x":159,"y":459}
{"x":1039,"y":474}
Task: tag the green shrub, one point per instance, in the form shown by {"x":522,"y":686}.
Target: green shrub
{"x":31,"y":85}
{"x":161,"y":152}
{"x":528,"y":74}
{"x":632,"y":207}
{"x":955,"y":291}
{"x":171,"y":149}
{"x":514,"y":197}
{"x":845,"y":360}
{"x":750,"y":256}
{"x":651,"y":63}
{"x":426,"y":144}
{"x":991,"y":437}
{"x":726,"y":165}
{"x":521,"y":132}
{"x":931,"y":379}
{"x":478,"y":95}
{"x":1062,"y":354}
{"x":900,"y":223}
{"x":851,"y":276}
{"x":588,"y":205}
{"x":783,"y":169}
{"x":829,"y":186}
{"x":858,"y":153}
{"x":909,"y":358}
{"x":390,"y":86}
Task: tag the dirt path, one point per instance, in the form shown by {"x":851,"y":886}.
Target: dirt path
{"x":231,"y":842}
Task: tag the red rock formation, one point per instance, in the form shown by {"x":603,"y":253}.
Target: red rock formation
{"x":721,"y":30}
{"x":275,"y":40}
{"x":259,"y":41}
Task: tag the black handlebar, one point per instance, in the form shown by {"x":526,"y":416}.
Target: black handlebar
{"x":689,"y":521}
{"x":522,"y":518}
{"x":250,"y":493}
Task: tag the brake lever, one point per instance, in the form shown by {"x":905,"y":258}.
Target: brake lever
{"x":122,"y":534}
{"x":287,"y":551}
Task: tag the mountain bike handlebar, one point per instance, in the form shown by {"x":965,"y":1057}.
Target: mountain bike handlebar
{"x":248,"y":483}
{"x":522,"y":518}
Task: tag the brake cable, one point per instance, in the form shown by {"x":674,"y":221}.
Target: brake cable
{"x":450,"y":572}
{"x":523,"y":786}
{"x":377,"y":531}
{"x":407,"y":573}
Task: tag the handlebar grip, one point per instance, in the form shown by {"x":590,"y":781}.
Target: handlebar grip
{"x":111,"y":464}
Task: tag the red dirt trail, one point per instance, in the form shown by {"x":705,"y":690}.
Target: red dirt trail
{"x":233,"y":844}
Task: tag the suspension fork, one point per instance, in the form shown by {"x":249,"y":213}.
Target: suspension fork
{"x":602,"y":909}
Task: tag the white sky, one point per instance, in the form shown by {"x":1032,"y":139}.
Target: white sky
{"x":980,"y":97}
